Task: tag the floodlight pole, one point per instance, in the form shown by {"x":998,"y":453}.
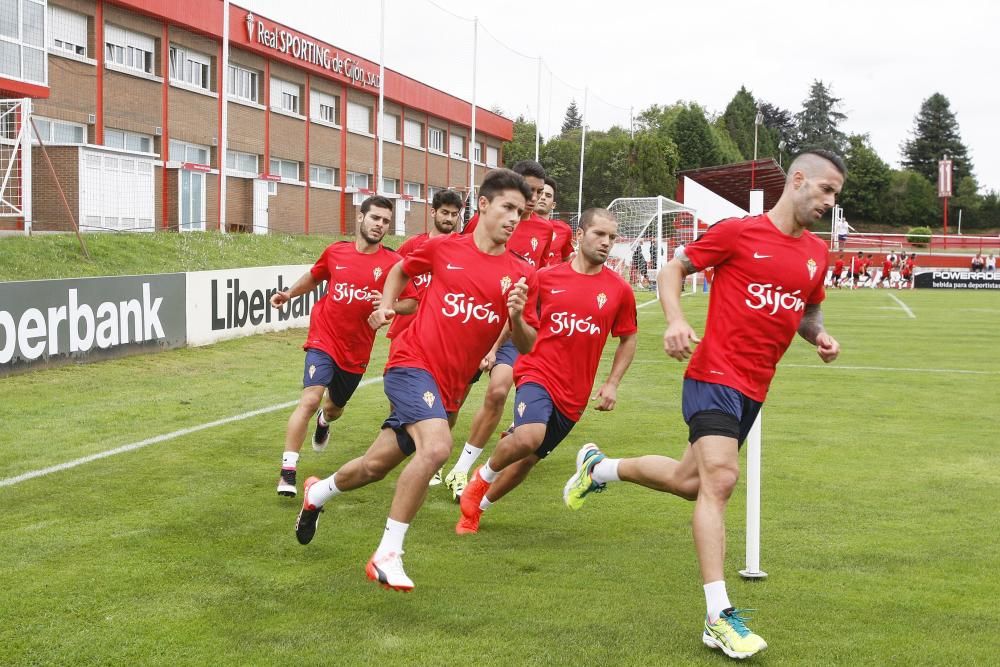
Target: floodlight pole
{"x":583,"y":142}
{"x":380,"y":117}
{"x":224,"y":119}
{"x":538,"y":108}
{"x":472,"y":137}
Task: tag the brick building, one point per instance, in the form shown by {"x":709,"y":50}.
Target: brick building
{"x":133,"y":116}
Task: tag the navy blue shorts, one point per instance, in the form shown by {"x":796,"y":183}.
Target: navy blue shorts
{"x":715,"y":409}
{"x":322,"y":371}
{"x":507,"y":354}
{"x":414,"y":397}
{"x":533,"y":405}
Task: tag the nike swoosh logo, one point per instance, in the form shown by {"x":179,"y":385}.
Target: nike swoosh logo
{"x":453,"y":267}
{"x":468,"y":451}
{"x":340,"y":267}
{"x":759,"y":256}
{"x":716,"y":372}
{"x":558,"y":291}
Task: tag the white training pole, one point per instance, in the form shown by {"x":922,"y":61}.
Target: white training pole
{"x":223,"y":142}
{"x":380,"y":118}
{"x":472,"y":134}
{"x":753,"y":443}
{"x":538,"y":108}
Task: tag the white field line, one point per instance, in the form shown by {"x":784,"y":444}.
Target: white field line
{"x":654,"y":300}
{"x":10,"y":481}
{"x":902,"y":305}
{"x":835,"y":366}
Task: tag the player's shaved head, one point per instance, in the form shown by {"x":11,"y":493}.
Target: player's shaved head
{"x":813,"y":163}
{"x":592,"y":215}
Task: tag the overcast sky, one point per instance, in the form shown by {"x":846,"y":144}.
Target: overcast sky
{"x":881,"y":59}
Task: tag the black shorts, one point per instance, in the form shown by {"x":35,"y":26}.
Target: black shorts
{"x":715,"y":409}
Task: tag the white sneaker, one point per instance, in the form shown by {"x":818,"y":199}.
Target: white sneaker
{"x":436,"y":479}
{"x":388,"y":571}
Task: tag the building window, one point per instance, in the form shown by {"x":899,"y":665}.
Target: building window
{"x":359,"y":117}
{"x":431,"y":191}
{"x":478,"y":153}
{"x":324,"y":107}
{"x":435,"y":139}
{"x":67,"y":31}
{"x":241,"y":163}
{"x":129,"y":49}
{"x":390,"y":127}
{"x":413,"y":133}
{"x":59,"y":132}
{"x":22,"y":26}
{"x":181,"y":151}
{"x":190,"y":67}
{"x":390,"y":186}
{"x":243,"y":84}
{"x":287,"y":169}
{"x":130,"y":141}
{"x":319,"y":175}
{"x":457,"y":145}
{"x":285,"y":95}
{"x":492,"y":156}
{"x":358,"y":181}
{"x":415,"y":190}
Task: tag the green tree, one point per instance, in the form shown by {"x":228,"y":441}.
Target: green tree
{"x":573,"y":119}
{"x":739,"y":121}
{"x":605,"y":167}
{"x":911,"y":201}
{"x":653,"y":161}
{"x":728,"y":152}
{"x":819,"y":120}
{"x":697,"y":145}
{"x":935,"y":134}
{"x":561,"y":158}
{"x":781,"y":122}
{"x":522,"y":145}
{"x":868,"y":178}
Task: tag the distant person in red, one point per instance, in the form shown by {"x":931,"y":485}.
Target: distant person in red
{"x":907,"y":270}
{"x":886,"y":278}
{"x":866,"y":269}
{"x":770,"y":271}
{"x":857,"y":268}
{"x":445,"y":208}
{"x":838,"y":270}
{"x":581,"y":303}
{"x":531,"y":241}
{"x":339,"y":343}
{"x":562,"y":234}
{"x":479,"y":288}
{"x":978,"y":263}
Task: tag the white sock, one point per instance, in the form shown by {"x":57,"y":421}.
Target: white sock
{"x":606,"y":471}
{"x":716,"y":599}
{"x":289,"y":460}
{"x":469,"y":455}
{"x":392,"y":538}
{"x":488,"y":474}
{"x":322,"y":491}
{"x":485,"y":503}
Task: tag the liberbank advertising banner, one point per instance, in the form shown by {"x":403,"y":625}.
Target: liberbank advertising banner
{"x":956,"y":279}
{"x":236,"y":302}
{"x":45,"y":321}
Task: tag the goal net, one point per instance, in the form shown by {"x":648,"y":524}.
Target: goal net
{"x":649,"y":231}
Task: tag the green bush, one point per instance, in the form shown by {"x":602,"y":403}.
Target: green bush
{"x":919,"y":235}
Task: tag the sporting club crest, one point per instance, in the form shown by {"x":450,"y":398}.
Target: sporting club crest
{"x":521,"y":408}
{"x":312,"y":371}
{"x":377,"y":272}
{"x":811,"y":265}
{"x":602,"y":299}
{"x":250,"y":21}
{"x":505,"y":284}
{"x":429,"y":399}
{"x":534,"y":244}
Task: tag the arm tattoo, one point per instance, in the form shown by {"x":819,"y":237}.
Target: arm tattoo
{"x":812,"y":323}
{"x":689,"y":268}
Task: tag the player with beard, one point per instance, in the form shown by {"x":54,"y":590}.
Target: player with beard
{"x":531,"y":240}
{"x":562,"y":234}
{"x":581,"y":303}
{"x":768,"y":285}
{"x":339,"y":343}
{"x":478,"y":289}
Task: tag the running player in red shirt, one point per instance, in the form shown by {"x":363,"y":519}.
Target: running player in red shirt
{"x":531,"y":240}
{"x":562,"y":234}
{"x":768,"y":286}
{"x":445,"y":208}
{"x":478,"y":289}
{"x":581,"y":303}
{"x":886,"y":277}
{"x":838,"y":269}
{"x":339,"y":343}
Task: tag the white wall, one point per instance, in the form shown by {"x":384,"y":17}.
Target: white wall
{"x":710,"y":206}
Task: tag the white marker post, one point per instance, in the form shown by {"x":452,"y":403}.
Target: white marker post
{"x":753,"y":570}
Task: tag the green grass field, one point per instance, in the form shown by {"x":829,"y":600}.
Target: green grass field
{"x":879,"y":521}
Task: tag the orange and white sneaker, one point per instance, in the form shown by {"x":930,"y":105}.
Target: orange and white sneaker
{"x":308,"y":519}
{"x":388,"y":571}
{"x":469,"y":504}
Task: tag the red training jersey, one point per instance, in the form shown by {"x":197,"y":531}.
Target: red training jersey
{"x":531,"y":239}
{"x":763,"y":281}
{"x":886,"y":267}
{"x":418,"y":283}
{"x":339,"y":322}
{"x":577,"y":314}
{"x":462,"y":313}
{"x":838,"y":267}
{"x":562,"y":242}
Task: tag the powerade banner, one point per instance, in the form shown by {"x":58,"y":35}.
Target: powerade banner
{"x":956,"y":279}
{"x":47,"y":321}
{"x":236,"y":302}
